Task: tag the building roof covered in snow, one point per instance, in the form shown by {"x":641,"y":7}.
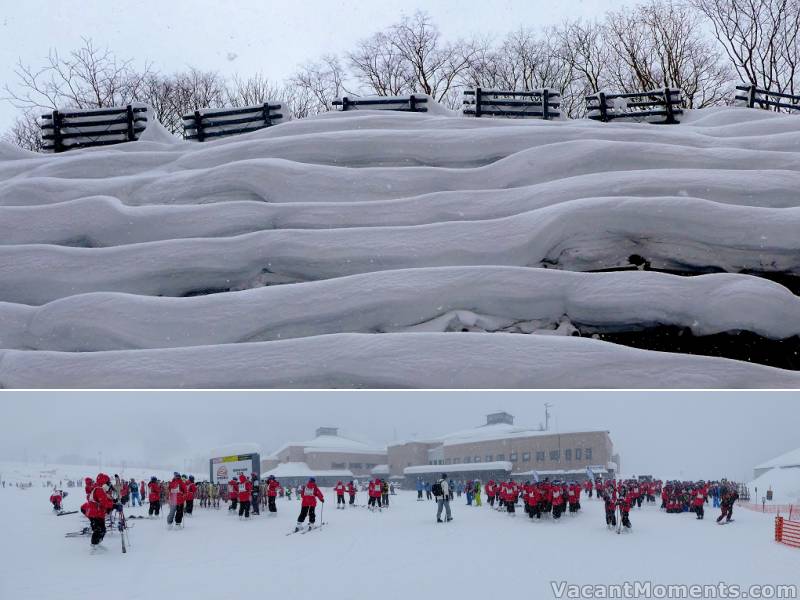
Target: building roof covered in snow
{"x":327,"y":439}
{"x":789,"y":459}
{"x":295,"y":469}
{"x":381,"y":470}
{"x":500,"y":465}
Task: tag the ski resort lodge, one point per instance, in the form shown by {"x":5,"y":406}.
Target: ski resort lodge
{"x":495,"y":449}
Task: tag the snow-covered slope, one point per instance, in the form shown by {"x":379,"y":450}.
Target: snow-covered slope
{"x":401,"y":552}
{"x":393,"y":224}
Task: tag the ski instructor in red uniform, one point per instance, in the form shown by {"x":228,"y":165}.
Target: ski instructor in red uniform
{"x":309,"y":494}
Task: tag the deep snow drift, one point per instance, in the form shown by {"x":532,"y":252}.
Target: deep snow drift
{"x":392,"y":224}
{"x":401,"y":552}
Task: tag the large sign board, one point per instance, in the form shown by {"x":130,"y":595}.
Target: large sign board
{"x":222,"y":468}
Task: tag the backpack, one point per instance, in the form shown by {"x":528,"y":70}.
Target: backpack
{"x":437,"y":489}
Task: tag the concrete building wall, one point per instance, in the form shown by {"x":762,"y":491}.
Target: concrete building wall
{"x":359,"y":463}
{"x":556,"y":451}
{"x":411,"y":454}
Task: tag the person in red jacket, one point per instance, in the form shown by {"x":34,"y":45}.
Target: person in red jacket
{"x":191,"y":492}
{"x":56,"y":498}
{"x":374,"y":491}
{"x":340,"y":489}
{"x":141,"y":489}
{"x":100,"y":504}
{"x":177,"y":498}
{"x":154,"y":497}
{"x":624,"y":503}
{"x":491,"y":491}
{"x":233,"y":493}
{"x":273,"y":487}
{"x":245,"y":494}
{"x":351,"y":491}
{"x":574,"y":497}
{"x":557,"y":499}
{"x":587,"y":487}
{"x":309,"y":494}
{"x":698,"y":500}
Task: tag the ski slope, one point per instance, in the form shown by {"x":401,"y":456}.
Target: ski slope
{"x":148,"y":263}
{"x":399,"y":551}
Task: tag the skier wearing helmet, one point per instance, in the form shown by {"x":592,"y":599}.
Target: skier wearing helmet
{"x":272,"y":492}
{"x":100,"y":503}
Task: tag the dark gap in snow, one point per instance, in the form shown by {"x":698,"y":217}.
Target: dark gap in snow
{"x":738,"y":345}
{"x":205,"y":292}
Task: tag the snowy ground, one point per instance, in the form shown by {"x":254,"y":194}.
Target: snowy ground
{"x":400,"y":552}
{"x":168,"y":259}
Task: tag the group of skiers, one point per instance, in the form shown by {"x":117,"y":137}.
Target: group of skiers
{"x":692,"y":496}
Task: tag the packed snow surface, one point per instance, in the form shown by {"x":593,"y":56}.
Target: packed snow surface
{"x":146,"y":263}
{"x":399,"y":551}
{"x":784,"y":483}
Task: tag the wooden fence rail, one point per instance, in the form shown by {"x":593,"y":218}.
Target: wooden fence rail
{"x":62,"y":131}
{"x":655,"y":106}
{"x":410,"y":103}
{"x":533,"y":104}
{"x":750,"y":95}
{"x":208,"y":123}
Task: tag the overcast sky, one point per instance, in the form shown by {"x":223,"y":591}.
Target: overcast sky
{"x":245,"y":36}
{"x":669,"y":434}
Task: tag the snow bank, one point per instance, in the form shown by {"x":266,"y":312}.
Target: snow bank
{"x":393,"y":199}
{"x":499,"y":299}
{"x":784,"y":483}
{"x":428,"y":360}
{"x":578,"y":235}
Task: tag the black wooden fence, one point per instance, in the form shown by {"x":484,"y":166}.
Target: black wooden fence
{"x":63,"y":131}
{"x":751,"y":95}
{"x":410,"y":103}
{"x":534,"y":104}
{"x":656,"y":106}
{"x":209,"y":123}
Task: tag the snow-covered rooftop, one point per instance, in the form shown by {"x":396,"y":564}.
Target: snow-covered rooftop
{"x":301,"y":469}
{"x":486,"y":466}
{"x":784,"y":482}
{"x":333,"y":443}
{"x":789,"y":459}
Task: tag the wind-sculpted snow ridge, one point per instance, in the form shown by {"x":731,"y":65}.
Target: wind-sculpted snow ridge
{"x":495,"y":299}
{"x":595,"y":233}
{"x":369,"y":227}
{"x":391,"y":360}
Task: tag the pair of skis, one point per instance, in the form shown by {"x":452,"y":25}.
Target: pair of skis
{"x":308,"y":529}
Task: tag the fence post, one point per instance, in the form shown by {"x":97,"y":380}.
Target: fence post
{"x":267,"y":118}
{"x":57,"y":144}
{"x":751,"y":96}
{"x":601,"y":99}
{"x":198,"y":126}
{"x":412,"y":103}
{"x":668,"y":105}
{"x":477,"y":102}
{"x":129,"y":116}
{"x":345,"y":102}
{"x":546,"y":104}
{"x":778,"y":529}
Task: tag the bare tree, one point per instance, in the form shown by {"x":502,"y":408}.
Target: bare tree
{"x":25,"y":132}
{"x":88,"y":77}
{"x":317,"y":84}
{"x":760,"y":38}
{"x":256,"y":89}
{"x":661,"y":44}
{"x":380,"y":67}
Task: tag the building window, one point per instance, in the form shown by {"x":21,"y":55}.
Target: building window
{"x":555,"y":455}
{"x":356,"y":466}
{"x":578,"y":454}
{"x":539,"y":456}
{"x":501,"y":457}
{"x":467,"y":459}
{"x":371,"y":465}
{"x":476,"y":459}
{"x":526,"y":457}
{"x":489,"y":458}
{"x":447,"y":461}
{"x":588,"y":453}
{"x":568,"y":454}
{"x":337,"y":465}
{"x":456,"y":461}
{"x":513,"y":457}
